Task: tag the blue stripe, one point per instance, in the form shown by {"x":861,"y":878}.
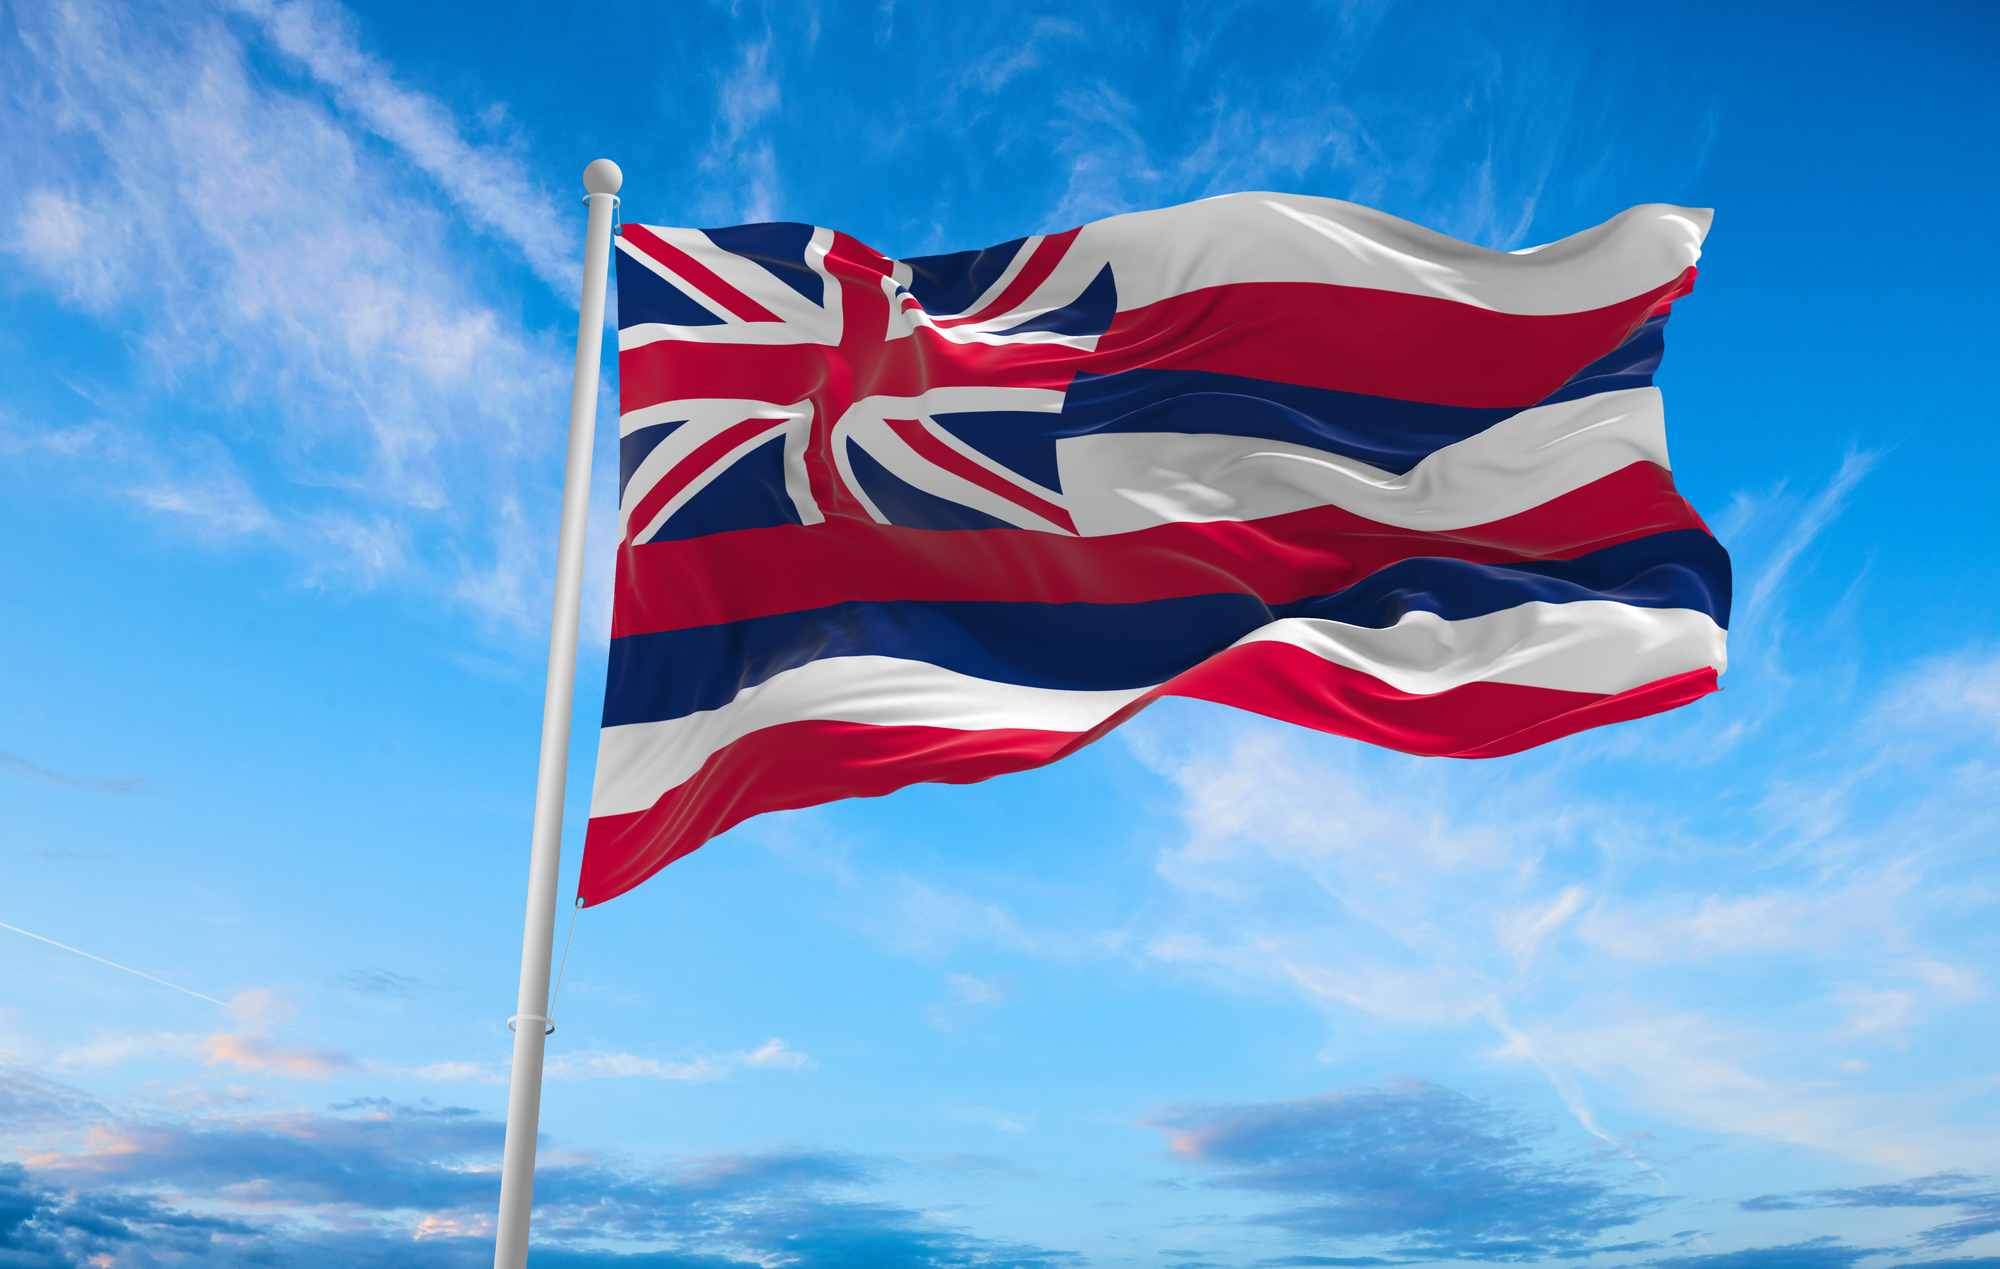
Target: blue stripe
{"x":1380,"y":431}
{"x":1099,"y":647}
{"x":1684,"y":568}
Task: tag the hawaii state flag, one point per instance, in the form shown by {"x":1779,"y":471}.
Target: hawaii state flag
{"x":888,"y":521}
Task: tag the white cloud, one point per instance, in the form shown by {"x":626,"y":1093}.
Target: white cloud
{"x":454,"y":1073}
{"x":1522,"y":931}
{"x":591,"y":1064}
{"x":1694,"y":1070}
{"x":1806,"y":520}
{"x":1672,"y":928}
{"x":966,"y":995}
{"x":774,"y":1052}
{"x":741,"y":162}
{"x":751,"y":94}
{"x":205,"y":487}
{"x":311,"y":361}
{"x":113,"y":1048}
{"x":1960,"y":692}
{"x":75,"y":248}
{"x":252,"y":1046}
{"x":488,"y":183}
{"x":1006,"y":62}
{"x":255,"y":1053}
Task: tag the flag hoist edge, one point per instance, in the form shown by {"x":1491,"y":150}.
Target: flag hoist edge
{"x":889,"y":521}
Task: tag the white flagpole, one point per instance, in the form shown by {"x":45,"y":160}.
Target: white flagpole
{"x":530,"y":1021}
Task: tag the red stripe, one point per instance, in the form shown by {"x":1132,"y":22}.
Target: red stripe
{"x":1047,"y":256}
{"x":1381,"y":343}
{"x":1474,"y":720}
{"x":1682,"y":285}
{"x":759,"y":572}
{"x":813,"y":762}
{"x":698,"y":275}
{"x":793,"y":765}
{"x":689,"y":469}
{"x":936,"y":452}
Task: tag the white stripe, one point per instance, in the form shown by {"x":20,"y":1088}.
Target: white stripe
{"x":1593,"y":645}
{"x":1121,"y":482}
{"x":638,"y":762}
{"x":1590,"y":646}
{"x":1292,"y":238}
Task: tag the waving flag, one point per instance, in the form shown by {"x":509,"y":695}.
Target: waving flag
{"x":888,"y":521}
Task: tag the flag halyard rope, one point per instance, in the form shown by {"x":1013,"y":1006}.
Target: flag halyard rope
{"x":557,"y":993}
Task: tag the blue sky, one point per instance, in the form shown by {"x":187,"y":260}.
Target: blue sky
{"x":289,"y":296}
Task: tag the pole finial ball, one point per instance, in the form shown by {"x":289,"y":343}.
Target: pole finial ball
{"x":603,"y":177}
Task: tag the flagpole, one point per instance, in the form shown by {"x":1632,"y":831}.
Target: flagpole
{"x":530,"y":1022}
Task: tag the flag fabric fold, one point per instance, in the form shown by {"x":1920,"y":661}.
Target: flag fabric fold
{"x":938,"y":519}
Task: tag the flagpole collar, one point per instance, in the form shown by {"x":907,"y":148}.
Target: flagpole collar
{"x":548,"y":1027}
{"x":603,"y":177}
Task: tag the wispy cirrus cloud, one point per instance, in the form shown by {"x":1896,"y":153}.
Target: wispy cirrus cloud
{"x":306,"y":364}
{"x":740,"y":166}
{"x":489,"y":184}
{"x":966,"y":996}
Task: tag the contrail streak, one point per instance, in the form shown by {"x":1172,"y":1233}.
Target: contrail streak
{"x":115,"y":965}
